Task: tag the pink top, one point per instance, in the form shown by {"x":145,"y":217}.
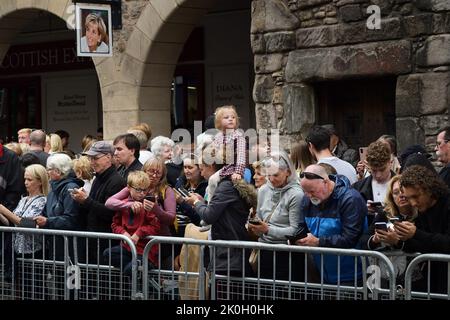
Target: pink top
{"x":166,"y":215}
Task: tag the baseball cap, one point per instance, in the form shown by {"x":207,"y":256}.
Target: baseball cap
{"x":100,"y":147}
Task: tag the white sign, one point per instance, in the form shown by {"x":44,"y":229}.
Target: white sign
{"x":94,"y":30}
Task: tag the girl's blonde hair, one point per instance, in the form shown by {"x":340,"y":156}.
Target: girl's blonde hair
{"x":219,"y":115}
{"x":390,"y":206}
{"x":15,"y":147}
{"x":38,"y":172}
{"x":300,"y":155}
{"x":82,"y":165}
{"x":55,"y":143}
{"x":138,"y":179}
{"x":87,"y":142}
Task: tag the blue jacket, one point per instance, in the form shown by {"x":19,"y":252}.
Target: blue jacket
{"x":61,"y":210}
{"x":338,"y":223}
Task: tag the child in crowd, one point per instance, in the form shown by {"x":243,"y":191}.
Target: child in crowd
{"x":231,"y":141}
{"x":135,"y":223}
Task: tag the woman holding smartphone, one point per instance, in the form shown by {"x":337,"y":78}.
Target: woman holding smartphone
{"x":190,"y":181}
{"x":381,"y":235}
{"x":279,"y":213}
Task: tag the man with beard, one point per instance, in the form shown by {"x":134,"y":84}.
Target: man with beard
{"x":335,"y":214}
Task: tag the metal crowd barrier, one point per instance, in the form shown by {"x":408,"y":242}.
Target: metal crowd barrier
{"x":66,"y":265}
{"x":426,"y":260}
{"x":202,"y":283}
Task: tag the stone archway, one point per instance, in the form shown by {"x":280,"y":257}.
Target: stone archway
{"x":148,"y":63}
{"x":16,"y":14}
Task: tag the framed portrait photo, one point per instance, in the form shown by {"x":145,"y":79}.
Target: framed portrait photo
{"x":94,"y":30}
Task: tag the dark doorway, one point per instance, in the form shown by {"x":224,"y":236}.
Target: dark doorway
{"x":361,"y":110}
{"x":188,"y":92}
{"x":20,"y":106}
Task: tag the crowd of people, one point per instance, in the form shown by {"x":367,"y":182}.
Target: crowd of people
{"x":318,"y":194}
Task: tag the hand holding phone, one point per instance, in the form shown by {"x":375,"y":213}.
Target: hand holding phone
{"x":150,"y":197}
{"x":254,"y":221}
{"x":381,"y":226}
{"x":395,"y":219}
{"x":363,"y":153}
{"x":184,"y":193}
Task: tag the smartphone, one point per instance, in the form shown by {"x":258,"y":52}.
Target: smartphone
{"x":71,"y":190}
{"x":363,"y":153}
{"x":254,"y":221}
{"x":150,"y":197}
{"x":381,"y":226}
{"x":183,"y":192}
{"x":376,"y":204}
{"x":296,"y":237}
{"x":395,"y":219}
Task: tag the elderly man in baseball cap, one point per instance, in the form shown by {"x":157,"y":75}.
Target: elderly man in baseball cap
{"x":107,"y":182}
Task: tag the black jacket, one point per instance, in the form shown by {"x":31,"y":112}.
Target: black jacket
{"x":134,"y":166}
{"x":11,"y":178}
{"x":185,"y":208}
{"x":227,"y":212}
{"x":343,"y":152}
{"x":364,"y":187}
{"x":106,"y":184}
{"x":444,"y":174}
{"x":433,"y":236}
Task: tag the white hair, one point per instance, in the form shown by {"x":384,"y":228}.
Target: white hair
{"x":158,"y":143}
{"x":60,"y":162}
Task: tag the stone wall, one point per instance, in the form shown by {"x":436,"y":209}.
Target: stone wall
{"x":299,"y":42}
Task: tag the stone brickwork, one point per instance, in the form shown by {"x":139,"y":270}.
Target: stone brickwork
{"x":330,"y":40}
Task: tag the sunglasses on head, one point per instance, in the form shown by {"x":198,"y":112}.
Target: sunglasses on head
{"x":310,"y":176}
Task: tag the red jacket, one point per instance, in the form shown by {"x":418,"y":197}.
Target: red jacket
{"x":145,"y":223}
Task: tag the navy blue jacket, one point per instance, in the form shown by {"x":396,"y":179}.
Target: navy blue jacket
{"x":338,"y":222}
{"x":61,"y":210}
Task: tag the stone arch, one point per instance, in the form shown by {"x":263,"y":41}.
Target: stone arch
{"x":150,"y":58}
{"x":15,"y":14}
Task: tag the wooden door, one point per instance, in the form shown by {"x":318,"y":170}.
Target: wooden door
{"x":361,"y":110}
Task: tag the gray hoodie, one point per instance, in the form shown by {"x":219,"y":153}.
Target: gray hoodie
{"x":285,"y":204}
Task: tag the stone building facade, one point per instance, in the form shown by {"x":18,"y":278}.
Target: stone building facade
{"x":300,"y":42}
{"x":136,"y":81}
{"x":296,"y":43}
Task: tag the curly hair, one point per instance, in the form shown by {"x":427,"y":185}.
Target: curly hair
{"x":378,"y":154}
{"x":421,"y":177}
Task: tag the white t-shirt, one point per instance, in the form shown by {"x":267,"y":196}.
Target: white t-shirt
{"x":342,"y":167}
{"x":379,"y":190}
{"x":144,"y":155}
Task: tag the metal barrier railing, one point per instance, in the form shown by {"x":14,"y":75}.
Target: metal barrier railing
{"x":229,"y":285}
{"x":67,"y":267}
{"x":46,"y":277}
{"x":414,"y":265}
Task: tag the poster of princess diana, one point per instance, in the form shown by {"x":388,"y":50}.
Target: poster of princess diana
{"x":94,"y":30}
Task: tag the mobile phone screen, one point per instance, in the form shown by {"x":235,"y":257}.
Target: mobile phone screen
{"x":381,"y":226}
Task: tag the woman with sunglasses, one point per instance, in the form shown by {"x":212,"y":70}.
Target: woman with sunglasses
{"x":279,"y":215}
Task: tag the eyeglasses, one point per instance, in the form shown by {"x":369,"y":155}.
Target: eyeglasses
{"x":439,"y":143}
{"x":310,"y":176}
{"x":138,"y":190}
{"x":153,"y":172}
